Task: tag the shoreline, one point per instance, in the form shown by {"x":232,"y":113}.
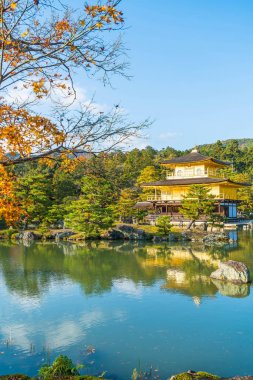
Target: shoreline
{"x":121,"y":232}
{"x":189,"y":375}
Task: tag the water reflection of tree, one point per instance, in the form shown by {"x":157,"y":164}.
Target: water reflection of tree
{"x":244,"y":252}
{"x":30,"y":271}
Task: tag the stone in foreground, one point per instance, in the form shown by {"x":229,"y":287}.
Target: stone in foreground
{"x":232,"y":271}
{"x":192,"y":375}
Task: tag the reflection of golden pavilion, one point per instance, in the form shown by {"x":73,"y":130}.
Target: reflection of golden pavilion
{"x":197,"y":300}
{"x":177,"y":256}
{"x":193,"y":169}
{"x":188,"y":272}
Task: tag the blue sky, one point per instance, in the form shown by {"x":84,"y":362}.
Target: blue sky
{"x":192,"y":68}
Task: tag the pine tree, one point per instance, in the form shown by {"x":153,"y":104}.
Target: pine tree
{"x":93,"y":211}
{"x":198,"y":202}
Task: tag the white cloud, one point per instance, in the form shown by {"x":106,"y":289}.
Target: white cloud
{"x":55,"y":334}
{"x":66,"y":333}
{"x":17,"y":334}
{"x":20,"y":96}
{"x":26,"y":303}
{"x":169,"y":135}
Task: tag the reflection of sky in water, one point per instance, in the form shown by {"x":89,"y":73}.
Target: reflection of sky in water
{"x":165,"y":315}
{"x":128,"y":287}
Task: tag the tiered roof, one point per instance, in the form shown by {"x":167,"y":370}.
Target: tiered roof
{"x":193,"y":181}
{"x":192,"y":157}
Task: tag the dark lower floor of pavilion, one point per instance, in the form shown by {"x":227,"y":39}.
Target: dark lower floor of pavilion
{"x":225,"y":208}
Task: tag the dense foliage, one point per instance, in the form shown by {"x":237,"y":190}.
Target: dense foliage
{"x":104,"y":188}
{"x":42,"y":46}
{"x":62,"y":366}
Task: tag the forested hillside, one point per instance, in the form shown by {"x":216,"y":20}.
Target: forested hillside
{"x":108,"y":185}
{"x":242,"y":142}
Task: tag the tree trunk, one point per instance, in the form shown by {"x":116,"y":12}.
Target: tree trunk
{"x":190,"y":224}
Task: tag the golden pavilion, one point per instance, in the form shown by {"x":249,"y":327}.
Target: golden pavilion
{"x":192,"y":169}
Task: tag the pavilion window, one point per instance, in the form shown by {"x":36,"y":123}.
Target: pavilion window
{"x":199,"y":171}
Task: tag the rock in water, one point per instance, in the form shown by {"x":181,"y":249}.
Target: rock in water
{"x":216,"y":239}
{"x":126,"y":232}
{"x":28,"y":236}
{"x":113,"y":234}
{"x":232,"y":271}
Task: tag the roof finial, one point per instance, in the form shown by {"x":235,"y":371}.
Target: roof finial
{"x":195,"y":149}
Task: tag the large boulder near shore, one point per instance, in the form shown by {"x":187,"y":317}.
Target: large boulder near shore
{"x":63,"y":235}
{"x":113,"y":234}
{"x":29,"y":236}
{"x":127,"y":232}
{"x":232,"y":271}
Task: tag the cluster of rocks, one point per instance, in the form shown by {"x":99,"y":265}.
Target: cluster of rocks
{"x":210,"y":239}
{"x":28,"y":236}
{"x":126,"y":232}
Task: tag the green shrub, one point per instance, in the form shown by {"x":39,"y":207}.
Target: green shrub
{"x":7,"y":234}
{"x":197,"y":375}
{"x":62,"y":366}
{"x":164,"y":225}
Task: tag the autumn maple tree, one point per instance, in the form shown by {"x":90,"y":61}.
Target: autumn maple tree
{"x":42,"y":41}
{"x":42,"y":44}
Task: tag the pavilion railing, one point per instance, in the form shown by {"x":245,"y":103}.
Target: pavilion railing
{"x":165,"y":197}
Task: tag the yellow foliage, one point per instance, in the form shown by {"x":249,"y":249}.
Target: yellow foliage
{"x":21,"y":133}
{"x":24,"y":34}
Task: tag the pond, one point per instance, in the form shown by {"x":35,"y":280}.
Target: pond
{"x":119,"y":306}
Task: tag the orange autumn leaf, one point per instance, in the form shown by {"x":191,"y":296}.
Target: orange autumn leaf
{"x":24,"y":34}
{"x":57,"y":44}
{"x":9,"y":205}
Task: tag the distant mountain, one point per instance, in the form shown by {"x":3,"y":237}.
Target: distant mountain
{"x":243,"y":143}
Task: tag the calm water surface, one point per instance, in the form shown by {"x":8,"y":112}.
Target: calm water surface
{"x":136,"y":305}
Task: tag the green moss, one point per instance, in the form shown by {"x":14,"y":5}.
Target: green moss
{"x":183,"y":376}
{"x":85,"y":377}
{"x":198,"y":375}
{"x":24,"y":377}
{"x":77,"y":237}
{"x":14,"y":377}
{"x":206,"y":375}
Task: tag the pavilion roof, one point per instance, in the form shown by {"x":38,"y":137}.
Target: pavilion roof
{"x":194,"y":156}
{"x":193,"y":181}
